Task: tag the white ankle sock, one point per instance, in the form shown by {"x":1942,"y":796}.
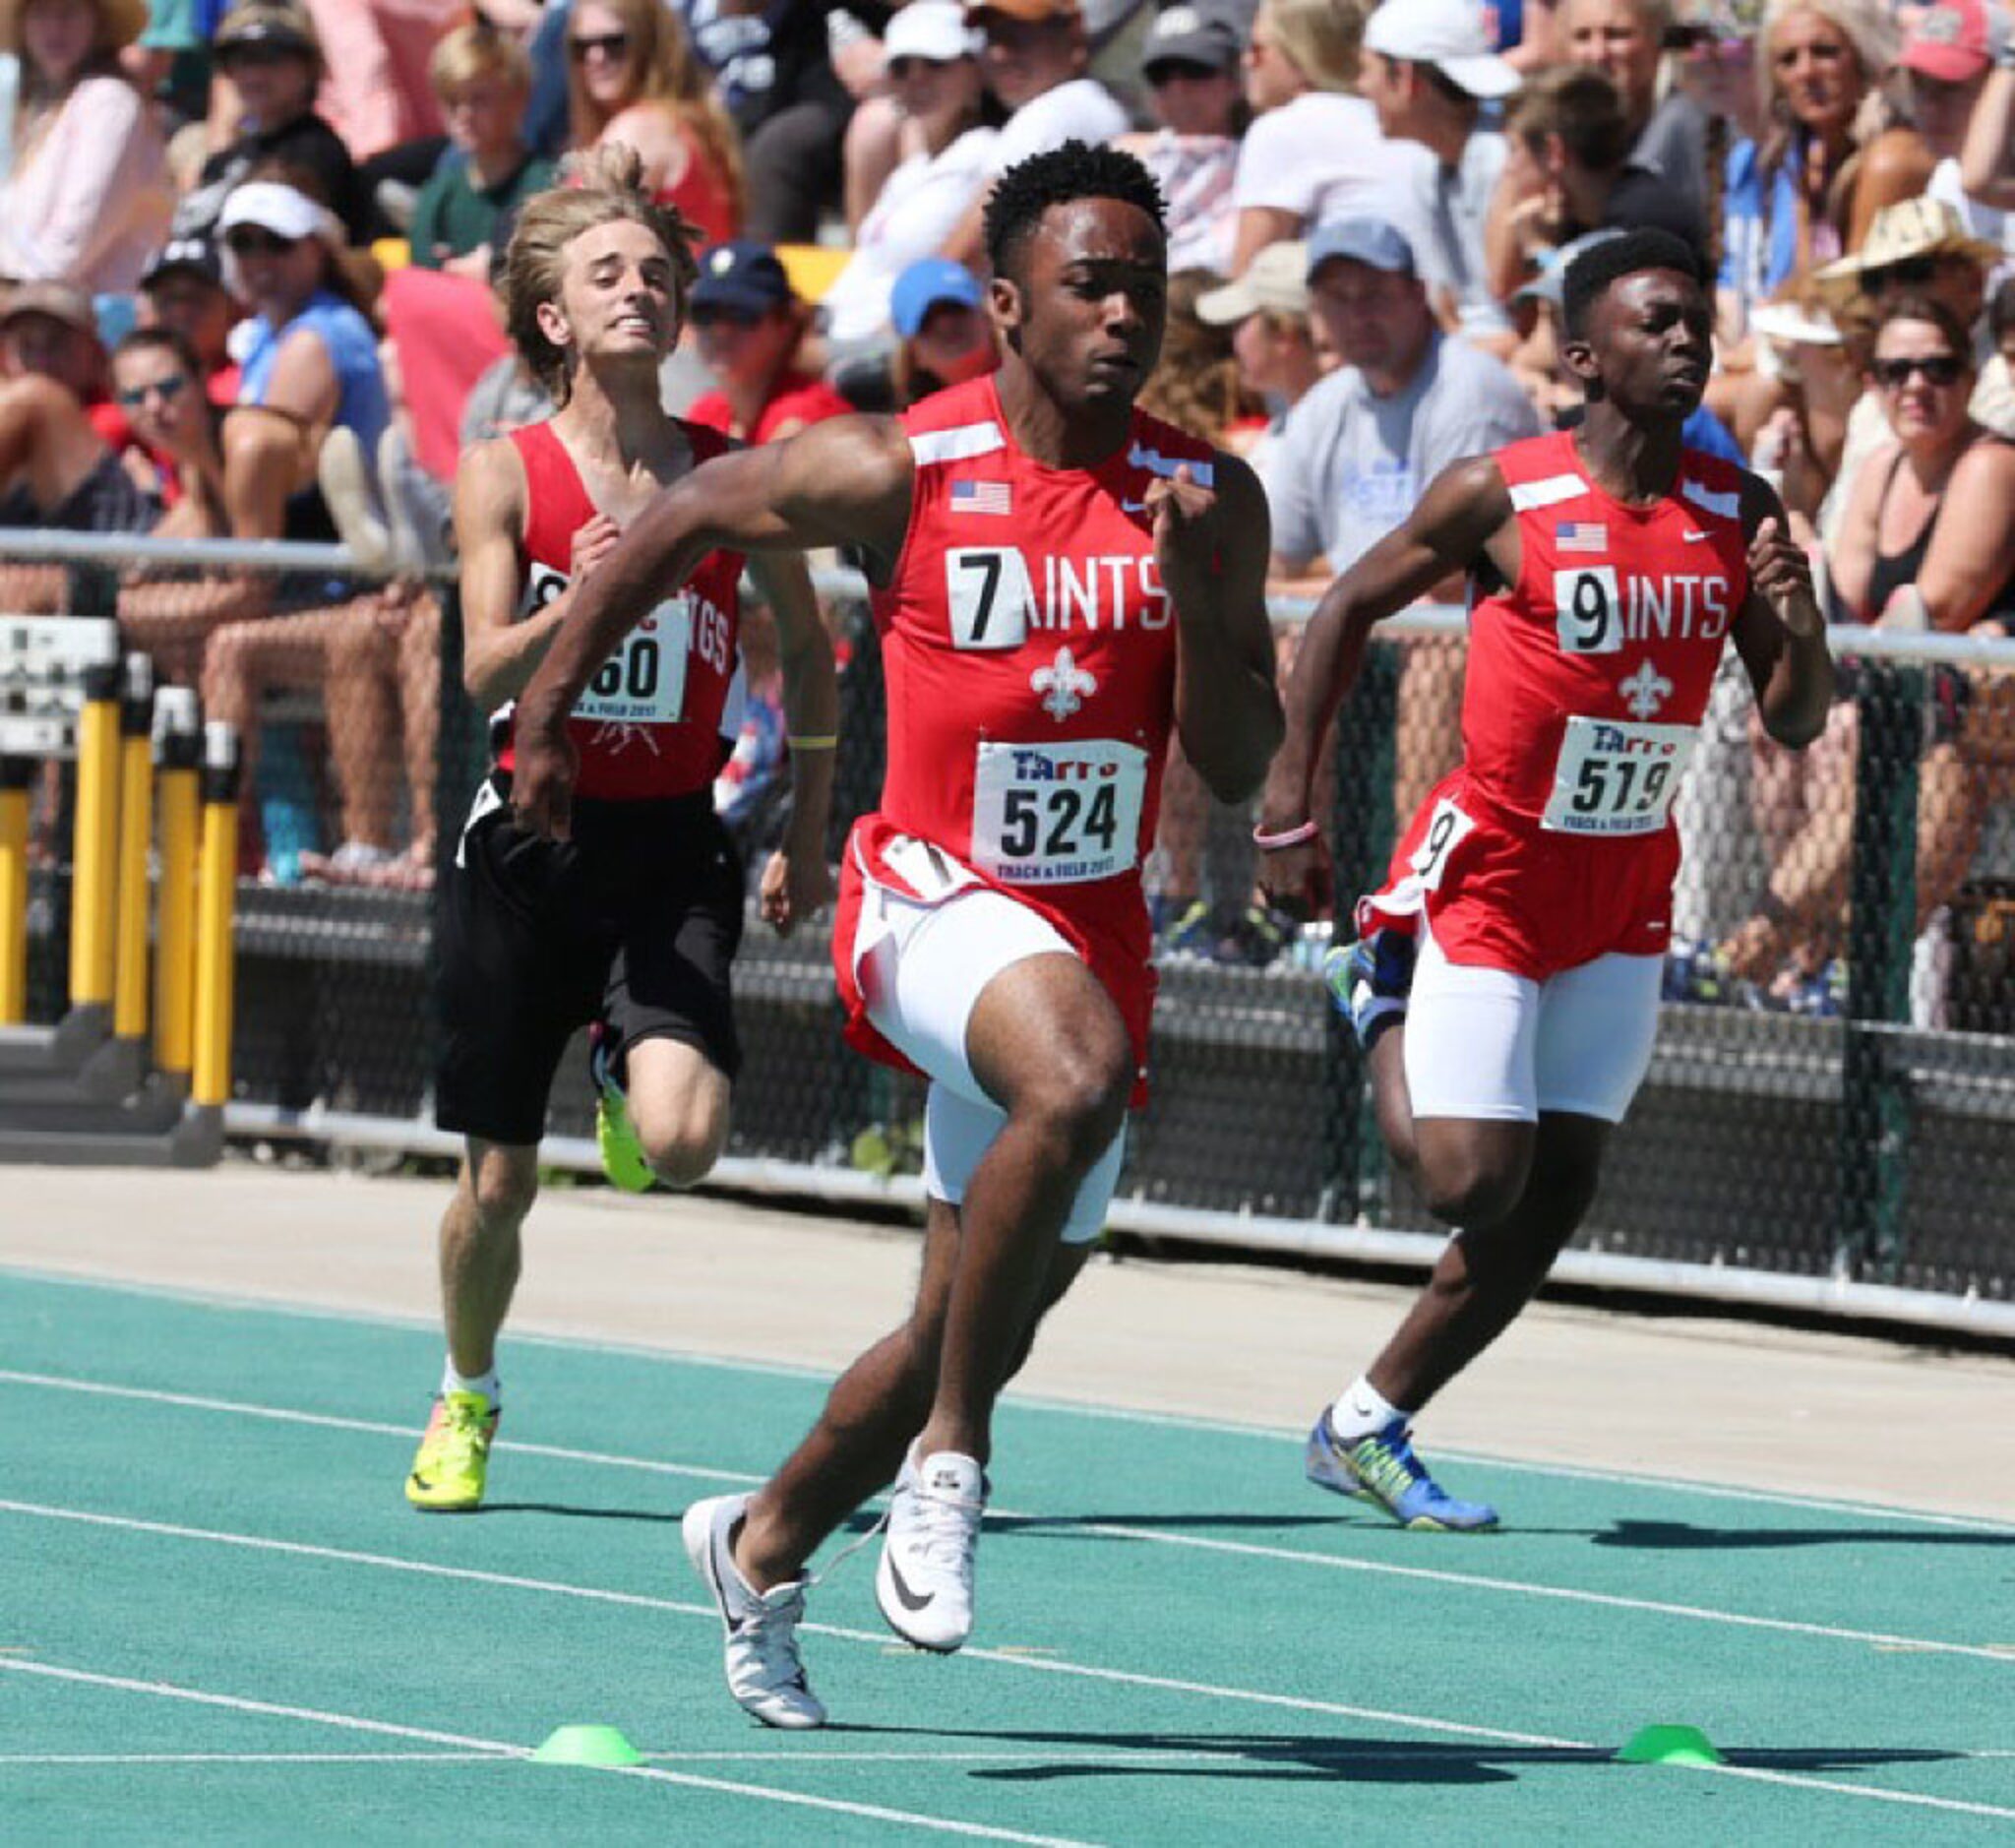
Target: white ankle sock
{"x":487,"y":1383}
{"x":1361,"y":1411}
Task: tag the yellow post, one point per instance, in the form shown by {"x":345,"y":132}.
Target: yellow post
{"x":177,"y":748}
{"x":136,"y":836}
{"x":216,"y":887}
{"x":96,"y":857}
{"x":17,"y":777}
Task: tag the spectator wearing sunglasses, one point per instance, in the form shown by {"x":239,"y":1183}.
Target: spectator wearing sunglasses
{"x":1926,"y":543}
{"x":157,"y":383}
{"x":1191,"y":63}
{"x":750,"y":324}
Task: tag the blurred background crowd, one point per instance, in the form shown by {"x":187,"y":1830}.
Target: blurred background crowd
{"x":248,"y":254}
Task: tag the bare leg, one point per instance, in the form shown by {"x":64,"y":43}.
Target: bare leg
{"x":1489,"y":1270}
{"x":1046,"y":1043}
{"x":480,"y":1250}
{"x":679,"y":1106}
{"x":871,"y":1414}
{"x":357,"y":698}
{"x":420,"y":704}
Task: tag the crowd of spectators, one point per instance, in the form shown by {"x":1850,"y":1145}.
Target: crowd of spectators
{"x":248,"y":253}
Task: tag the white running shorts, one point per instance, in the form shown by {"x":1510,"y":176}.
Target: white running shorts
{"x":1484,"y":1045}
{"x":921,"y":977}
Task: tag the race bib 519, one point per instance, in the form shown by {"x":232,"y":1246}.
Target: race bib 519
{"x":1057,"y":814}
{"x":1617,"y":778}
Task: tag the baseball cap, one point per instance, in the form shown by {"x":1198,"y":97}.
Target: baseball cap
{"x":1193,"y":35}
{"x":1276,"y":278}
{"x":1369,"y":241}
{"x":283,"y":210}
{"x":934,"y":30}
{"x":925,"y":284}
{"x":1449,"y":34}
{"x":197,"y":256}
{"x":741,"y":275}
{"x":1033,"y":10}
{"x":268,"y":22}
{"x":1949,"y":41}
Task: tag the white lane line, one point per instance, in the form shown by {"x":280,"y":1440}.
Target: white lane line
{"x":250,"y":1757}
{"x":1247,"y":1549}
{"x":1163,"y":1684}
{"x":497,"y":1748}
{"x":1178,"y":1421}
{"x":327,"y":1421}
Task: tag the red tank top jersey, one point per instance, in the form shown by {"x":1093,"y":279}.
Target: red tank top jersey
{"x":661,"y":712}
{"x":1552,"y":844}
{"x":1029,"y":650}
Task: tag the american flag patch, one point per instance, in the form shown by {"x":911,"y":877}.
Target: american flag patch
{"x":1581,"y":535}
{"x":982,"y":497}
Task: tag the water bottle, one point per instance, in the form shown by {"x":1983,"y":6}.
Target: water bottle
{"x":287,"y":807}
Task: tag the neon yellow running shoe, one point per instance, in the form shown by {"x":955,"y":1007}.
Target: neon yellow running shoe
{"x":615,"y":1136}
{"x":455,"y":1454}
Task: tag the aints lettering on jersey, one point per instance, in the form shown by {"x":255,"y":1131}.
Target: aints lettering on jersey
{"x":993,"y":596}
{"x":1601,"y":608}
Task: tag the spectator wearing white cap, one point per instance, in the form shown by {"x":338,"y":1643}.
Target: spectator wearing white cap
{"x":1362,"y":446}
{"x":932,"y":64}
{"x":1191,"y":64}
{"x":85,"y":194}
{"x":1314,"y":151}
{"x":1035,"y":58}
{"x":1429,"y":69}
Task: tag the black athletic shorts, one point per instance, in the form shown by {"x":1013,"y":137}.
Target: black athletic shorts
{"x":634,"y":923}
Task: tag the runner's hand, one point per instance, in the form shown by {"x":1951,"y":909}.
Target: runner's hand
{"x":1300,"y":880}
{"x":593,"y":543}
{"x":1183,"y":516}
{"x":542,"y":780}
{"x":1781,"y":571}
{"x":795,"y":887}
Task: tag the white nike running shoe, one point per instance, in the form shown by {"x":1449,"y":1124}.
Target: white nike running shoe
{"x":923,"y":1583}
{"x":763,"y":1670}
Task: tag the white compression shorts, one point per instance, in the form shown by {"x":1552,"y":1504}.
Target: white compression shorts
{"x":1486,"y":1045}
{"x":921,"y":979}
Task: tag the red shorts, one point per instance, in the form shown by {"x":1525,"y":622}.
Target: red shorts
{"x":1502,"y":893}
{"x":1108,"y":930}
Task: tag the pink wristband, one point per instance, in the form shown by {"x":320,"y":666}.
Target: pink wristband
{"x":1287,"y":837}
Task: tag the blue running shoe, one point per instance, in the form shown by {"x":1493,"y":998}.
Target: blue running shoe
{"x":1369,"y":981}
{"x":1383,"y":1468}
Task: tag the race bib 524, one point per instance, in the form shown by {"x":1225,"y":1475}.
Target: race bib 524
{"x":1057,"y":814}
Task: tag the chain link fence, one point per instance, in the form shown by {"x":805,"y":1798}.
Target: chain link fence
{"x":1824,"y":1119}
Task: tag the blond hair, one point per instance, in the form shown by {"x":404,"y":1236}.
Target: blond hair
{"x":602,"y":187}
{"x":1320,"y":39}
{"x":666,"y":71}
{"x":472,"y":52}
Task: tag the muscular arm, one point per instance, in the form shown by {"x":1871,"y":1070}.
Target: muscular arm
{"x":1779,"y":632}
{"x":1450,"y":532}
{"x":1227,"y":709}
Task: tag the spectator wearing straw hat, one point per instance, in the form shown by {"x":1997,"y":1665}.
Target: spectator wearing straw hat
{"x":87,"y":193}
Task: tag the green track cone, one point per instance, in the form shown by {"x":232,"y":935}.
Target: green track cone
{"x":1670,"y":1745}
{"x":588,"y":1744}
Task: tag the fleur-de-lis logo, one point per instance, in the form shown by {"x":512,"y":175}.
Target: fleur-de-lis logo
{"x":1063,"y":685}
{"x":1645,"y":690}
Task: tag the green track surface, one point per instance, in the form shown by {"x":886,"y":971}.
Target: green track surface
{"x":1179,"y":1641}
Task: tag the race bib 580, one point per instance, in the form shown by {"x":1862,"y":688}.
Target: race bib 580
{"x":1057,"y":814}
{"x":1617,"y":779}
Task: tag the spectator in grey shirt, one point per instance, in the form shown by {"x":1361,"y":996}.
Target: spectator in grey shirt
{"x":1625,"y":39}
{"x":1362,"y":445}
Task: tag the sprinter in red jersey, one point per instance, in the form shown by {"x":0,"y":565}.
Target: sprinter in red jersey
{"x":1528,"y":906}
{"x":631,"y":926}
{"x":1058,"y":581}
